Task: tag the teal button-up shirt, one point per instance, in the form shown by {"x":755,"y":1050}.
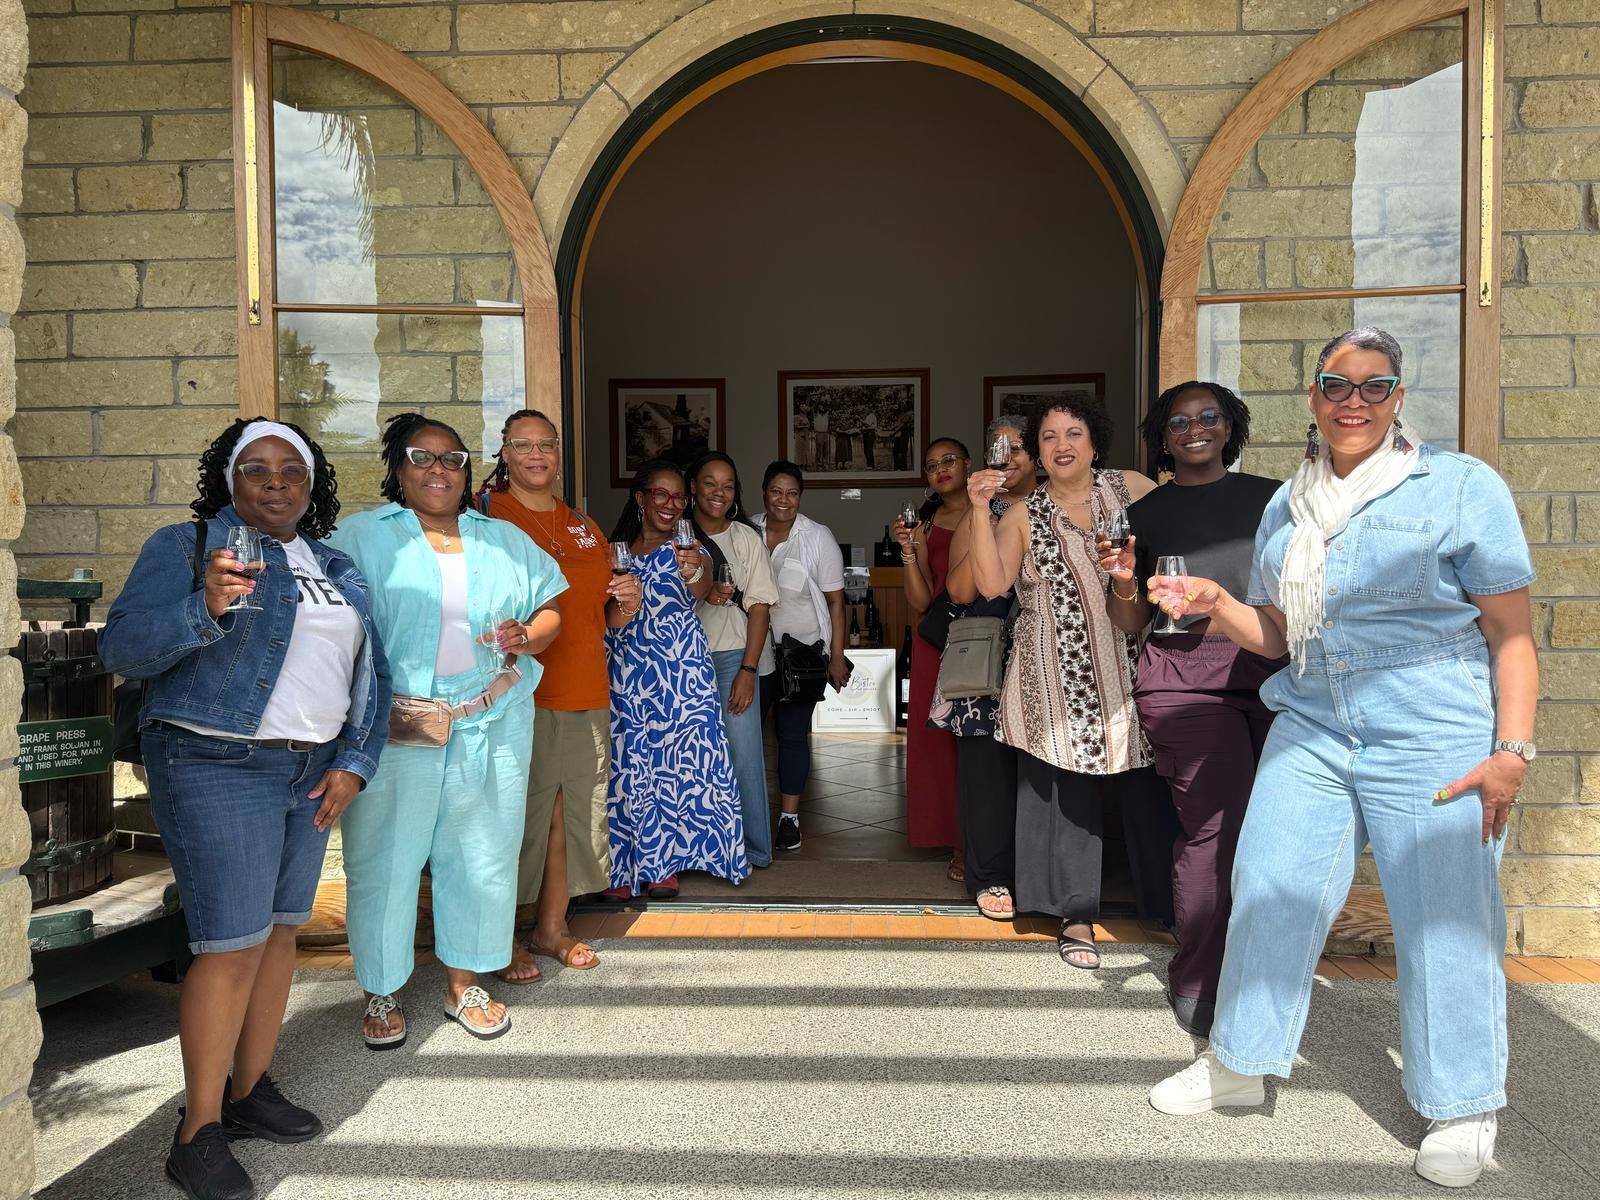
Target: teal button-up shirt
{"x":506,"y":572}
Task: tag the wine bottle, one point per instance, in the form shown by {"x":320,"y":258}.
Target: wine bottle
{"x":855,"y":629}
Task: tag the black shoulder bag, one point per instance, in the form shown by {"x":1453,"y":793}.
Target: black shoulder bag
{"x":128,"y":697}
{"x":719,"y":559}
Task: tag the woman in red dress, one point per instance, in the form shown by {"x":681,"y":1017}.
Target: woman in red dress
{"x":925,"y":551}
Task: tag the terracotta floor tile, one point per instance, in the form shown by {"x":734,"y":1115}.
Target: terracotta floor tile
{"x":794,"y":925}
{"x":691,"y":924}
{"x":1588,"y":969}
{"x":761,"y":925}
{"x":833,"y":925}
{"x":981,"y":929}
{"x":586,"y":925}
{"x":1554,"y":969}
{"x":869,"y":925}
{"x":724,"y":925}
{"x":1358,"y":966}
{"x":1330,"y":970}
{"x":907,"y":927}
{"x":947,"y":928}
{"x":654,"y":924}
{"x":1519,"y":972}
{"x":1034,"y":929}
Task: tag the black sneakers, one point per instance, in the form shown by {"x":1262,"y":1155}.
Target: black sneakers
{"x":205,"y":1168}
{"x":264,"y":1113}
{"x":1193,"y":1015}
{"x":788,"y":835}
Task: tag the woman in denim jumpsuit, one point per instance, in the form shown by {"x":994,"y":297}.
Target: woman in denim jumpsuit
{"x":1404,"y":721}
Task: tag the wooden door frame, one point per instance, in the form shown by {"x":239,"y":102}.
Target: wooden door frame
{"x":1308,"y":64}
{"x":257,"y":27}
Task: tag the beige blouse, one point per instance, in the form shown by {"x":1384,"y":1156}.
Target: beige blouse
{"x":1068,"y":692}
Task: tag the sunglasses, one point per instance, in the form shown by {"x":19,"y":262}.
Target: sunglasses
{"x":665,"y":498}
{"x":1208,"y":418}
{"x":526,"y":445}
{"x":942,"y":463}
{"x":1338,"y":389}
{"x":294,"y":474}
{"x":451,"y":460}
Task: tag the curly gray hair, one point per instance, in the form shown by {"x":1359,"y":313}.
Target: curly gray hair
{"x":1002,"y":422}
{"x":1366,"y":337}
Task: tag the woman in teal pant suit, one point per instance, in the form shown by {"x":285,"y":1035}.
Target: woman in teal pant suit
{"x":1397,"y":578}
{"x":452,"y":593}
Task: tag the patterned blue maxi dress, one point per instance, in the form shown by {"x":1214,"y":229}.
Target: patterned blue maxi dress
{"x":673,"y":803}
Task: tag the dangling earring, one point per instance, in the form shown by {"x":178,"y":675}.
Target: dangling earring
{"x":1311,"y":442}
{"x":1400,"y":442}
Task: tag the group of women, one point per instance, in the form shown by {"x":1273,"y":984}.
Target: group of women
{"x":484,"y":685}
{"x":1343,"y":660}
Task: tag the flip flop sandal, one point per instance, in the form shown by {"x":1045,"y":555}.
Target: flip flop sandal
{"x":667,"y":889}
{"x":379,"y":1008}
{"x":476,"y":997}
{"x":565,"y":948}
{"x":1070,"y":945}
{"x":995,"y":914}
{"x":956,"y":872}
{"x":504,"y":976}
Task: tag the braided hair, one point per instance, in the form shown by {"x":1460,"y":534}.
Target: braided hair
{"x":399,"y":430}
{"x":631,"y":520}
{"x":500,"y":478}
{"x":214,"y":496}
{"x":1233,"y":410}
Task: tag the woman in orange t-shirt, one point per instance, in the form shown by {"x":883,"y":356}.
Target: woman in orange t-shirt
{"x":564,"y":847}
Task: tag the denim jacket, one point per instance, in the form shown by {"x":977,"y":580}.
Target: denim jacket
{"x":220,"y":673}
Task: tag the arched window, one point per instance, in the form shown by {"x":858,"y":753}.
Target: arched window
{"x":1354,"y":185}
{"x":389,"y":255}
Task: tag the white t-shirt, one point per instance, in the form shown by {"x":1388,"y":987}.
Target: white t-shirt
{"x":311,"y":699}
{"x":456,"y":652}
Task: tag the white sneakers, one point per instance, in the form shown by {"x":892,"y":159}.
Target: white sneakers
{"x":1203,"y":1085}
{"x":1454,"y":1152}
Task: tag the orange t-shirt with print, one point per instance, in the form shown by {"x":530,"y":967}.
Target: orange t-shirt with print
{"x":575,"y":663}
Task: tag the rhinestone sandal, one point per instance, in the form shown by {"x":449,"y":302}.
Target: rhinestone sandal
{"x":379,"y":1008}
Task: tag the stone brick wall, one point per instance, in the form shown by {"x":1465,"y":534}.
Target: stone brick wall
{"x":125,"y":332}
{"x":19,"y":1022}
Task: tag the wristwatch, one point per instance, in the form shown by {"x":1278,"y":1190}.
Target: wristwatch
{"x":1526,"y":751}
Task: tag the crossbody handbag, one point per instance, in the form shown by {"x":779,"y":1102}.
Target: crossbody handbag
{"x":802,"y":670}
{"x":418,"y":721}
{"x":127,"y":699}
{"x":973,"y":664}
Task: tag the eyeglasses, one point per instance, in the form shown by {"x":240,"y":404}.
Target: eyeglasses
{"x":526,"y":445}
{"x":1373,"y":391}
{"x":668,"y":499}
{"x":1208,"y":418}
{"x":943,"y":463}
{"x":292,"y":473}
{"x":451,"y":460}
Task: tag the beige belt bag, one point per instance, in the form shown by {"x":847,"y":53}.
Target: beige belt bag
{"x":414,"y":721}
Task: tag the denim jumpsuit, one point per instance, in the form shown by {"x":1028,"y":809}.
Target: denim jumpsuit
{"x":1395,"y":701}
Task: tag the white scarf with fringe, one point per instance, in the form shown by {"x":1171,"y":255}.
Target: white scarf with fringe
{"x":1321,"y":505}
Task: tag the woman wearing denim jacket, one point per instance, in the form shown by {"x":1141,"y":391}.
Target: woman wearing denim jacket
{"x":258,"y":728}
{"x":1397,"y":579}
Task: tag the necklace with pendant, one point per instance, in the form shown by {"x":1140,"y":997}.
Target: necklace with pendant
{"x":444,"y":535}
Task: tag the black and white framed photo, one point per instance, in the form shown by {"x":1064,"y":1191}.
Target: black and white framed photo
{"x":854,"y":428}
{"x":1015,"y":395}
{"x":675,"y":419}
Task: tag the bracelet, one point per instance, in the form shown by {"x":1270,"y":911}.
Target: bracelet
{"x":699,"y":573}
{"x":748,"y":667}
{"x":908,"y":556}
{"x":1119,"y":595}
{"x":629,"y":613}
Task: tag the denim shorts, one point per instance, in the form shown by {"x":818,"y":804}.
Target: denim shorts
{"x":237,"y":824}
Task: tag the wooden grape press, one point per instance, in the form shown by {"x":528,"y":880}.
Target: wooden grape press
{"x":101,"y":910}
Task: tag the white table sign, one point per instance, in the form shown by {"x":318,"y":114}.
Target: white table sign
{"x":868,"y":702}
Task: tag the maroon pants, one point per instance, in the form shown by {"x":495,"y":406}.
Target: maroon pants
{"x":1197,"y":697}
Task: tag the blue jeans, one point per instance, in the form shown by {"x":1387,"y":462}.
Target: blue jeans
{"x":749,"y":757}
{"x":1359,"y":758}
{"x":236,"y":821}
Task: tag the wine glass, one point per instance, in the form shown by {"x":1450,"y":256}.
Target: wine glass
{"x":621,"y":558}
{"x":489,"y":639}
{"x":723,"y":577}
{"x":244,"y":543}
{"x":1170,"y":566}
{"x":683,"y":533}
{"x":999,"y":456}
{"x":1114,"y":529}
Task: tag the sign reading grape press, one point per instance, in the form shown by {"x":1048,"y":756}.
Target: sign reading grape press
{"x":62,"y":749}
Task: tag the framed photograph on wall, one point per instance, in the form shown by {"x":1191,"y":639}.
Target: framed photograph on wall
{"x":854,"y":428}
{"x":675,"y":419}
{"x":1015,"y":395}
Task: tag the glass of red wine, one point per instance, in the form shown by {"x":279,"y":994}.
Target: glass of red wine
{"x":244,"y":543}
{"x":621,"y":558}
{"x":999,"y":456}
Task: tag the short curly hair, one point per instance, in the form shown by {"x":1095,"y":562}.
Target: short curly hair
{"x":321,"y":514}
{"x":1088,"y":409}
{"x":1233,"y":409}
{"x":399,"y":430}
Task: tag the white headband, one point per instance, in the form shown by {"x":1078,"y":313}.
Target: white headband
{"x":257,"y":430}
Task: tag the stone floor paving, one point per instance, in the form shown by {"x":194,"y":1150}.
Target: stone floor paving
{"x":755,"y":1068}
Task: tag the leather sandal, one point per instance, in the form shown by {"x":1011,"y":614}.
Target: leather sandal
{"x":566,"y":946}
{"x":1067,"y":946}
{"x":379,"y":1008}
{"x":476,"y":997}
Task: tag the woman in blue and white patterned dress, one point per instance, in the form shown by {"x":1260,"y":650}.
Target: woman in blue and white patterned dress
{"x":673,"y":802}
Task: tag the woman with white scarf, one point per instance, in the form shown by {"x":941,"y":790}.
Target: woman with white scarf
{"x":1396,"y":577}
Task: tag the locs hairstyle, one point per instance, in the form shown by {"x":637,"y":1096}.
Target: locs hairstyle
{"x":1087,"y":409}
{"x":736,"y":512}
{"x":933,"y":503}
{"x":1234,"y":410}
{"x":323,"y":510}
{"x":631,"y":520}
{"x":396,"y":435}
{"x":499,"y":478}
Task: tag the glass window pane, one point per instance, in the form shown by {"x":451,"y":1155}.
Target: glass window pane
{"x":342,"y":375}
{"x":373,"y":204}
{"x":1267,"y":352}
{"x":1358,"y":184}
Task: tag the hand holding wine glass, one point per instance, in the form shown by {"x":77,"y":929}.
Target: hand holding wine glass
{"x":905,"y":527}
{"x":983,"y":486}
{"x":244,"y":550}
{"x":998,"y":457}
{"x":723,"y":587}
{"x":224,"y":582}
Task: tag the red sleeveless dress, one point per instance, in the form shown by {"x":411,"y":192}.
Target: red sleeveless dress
{"x":930,"y":753}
